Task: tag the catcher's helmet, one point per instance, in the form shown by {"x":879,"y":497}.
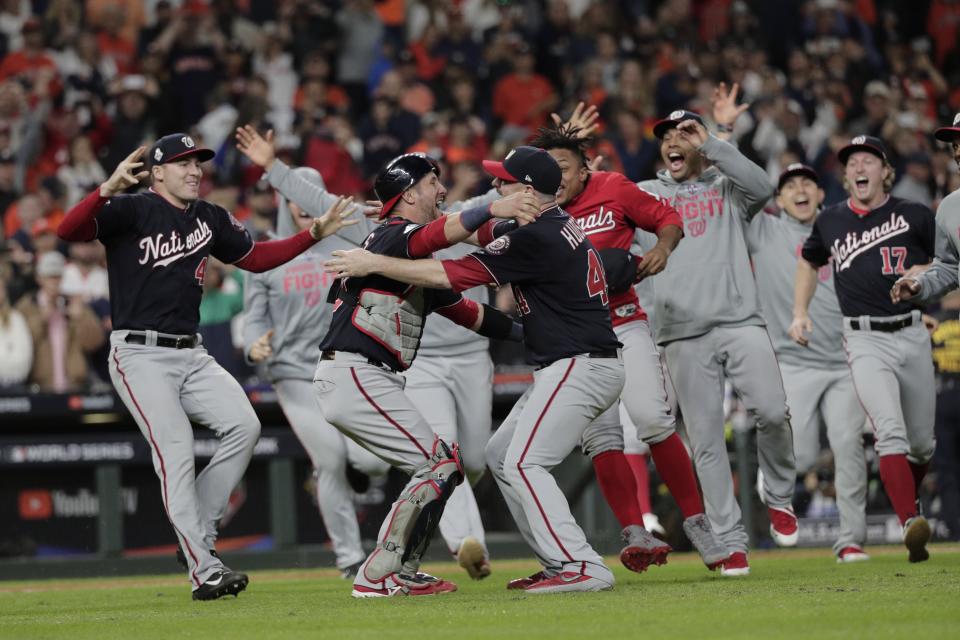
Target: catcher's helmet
{"x":400,"y":174}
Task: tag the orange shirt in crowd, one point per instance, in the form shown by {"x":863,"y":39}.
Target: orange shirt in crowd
{"x":392,"y":12}
{"x":515,"y":98}
{"x":133,"y":11}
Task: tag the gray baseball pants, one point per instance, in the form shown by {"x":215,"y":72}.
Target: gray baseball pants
{"x":698,"y":367}
{"x":164,"y":389}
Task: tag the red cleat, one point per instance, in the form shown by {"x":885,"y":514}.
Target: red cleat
{"x":783,"y":526}
{"x":523,"y":583}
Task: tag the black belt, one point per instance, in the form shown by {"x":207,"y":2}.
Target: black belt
{"x":888,"y":326}
{"x":592,"y":354}
{"x":183,"y":342}
{"x":332,"y":355}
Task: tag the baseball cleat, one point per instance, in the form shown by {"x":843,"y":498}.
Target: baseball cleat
{"x":711,"y":549}
{"x":222,"y":583}
{"x":735,"y":565}
{"x":351,"y":571}
{"x":642,"y":549}
{"x":783,"y":526}
{"x":398,"y":584}
{"x":473,"y":557}
{"x":523,"y":583}
{"x":852,"y":553}
{"x":567,"y":581}
{"x":916,"y":535}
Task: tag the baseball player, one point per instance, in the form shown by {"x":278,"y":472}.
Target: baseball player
{"x":709,"y":323}
{"x":874,"y":238}
{"x":609,"y":208}
{"x":558,"y":282}
{"x":158,"y":243}
{"x":374,"y":335}
{"x":286,"y":316}
{"x":441,"y":384}
{"x":816,"y":378}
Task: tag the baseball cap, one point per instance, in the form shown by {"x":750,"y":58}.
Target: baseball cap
{"x":876,"y":88}
{"x":676,"y":117}
{"x":51,"y":264}
{"x":869,"y":144}
{"x":797,"y":169}
{"x":175,"y":146}
{"x":528,"y":165}
{"x":951,"y":133}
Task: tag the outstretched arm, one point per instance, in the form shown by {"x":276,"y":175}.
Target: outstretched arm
{"x":804,"y":286}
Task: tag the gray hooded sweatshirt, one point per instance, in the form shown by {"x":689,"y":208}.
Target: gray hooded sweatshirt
{"x":943,"y":274}
{"x":292,"y":299}
{"x":708,"y":281}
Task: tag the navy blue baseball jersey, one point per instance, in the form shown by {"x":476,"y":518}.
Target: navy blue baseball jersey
{"x":392,"y":238}
{"x":157,"y":255}
{"x":558,"y":283}
{"x":870,"y":250}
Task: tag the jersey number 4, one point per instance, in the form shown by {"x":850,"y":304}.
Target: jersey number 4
{"x":596,"y":279}
{"x":888,"y":255}
{"x":201,"y":270}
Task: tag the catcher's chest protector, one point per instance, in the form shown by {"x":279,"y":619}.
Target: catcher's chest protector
{"x":394,"y":321}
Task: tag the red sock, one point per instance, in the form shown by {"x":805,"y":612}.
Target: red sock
{"x":618,"y":487}
{"x":898,"y":481}
{"x":674,"y":466}
{"x":918,"y":471}
{"x":638,"y":464}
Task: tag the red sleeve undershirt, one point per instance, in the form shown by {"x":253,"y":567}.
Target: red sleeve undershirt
{"x":427,"y":239}
{"x":273,"y":253}
{"x":79,"y":225}
{"x":467,"y":272}
{"x":464,"y":312}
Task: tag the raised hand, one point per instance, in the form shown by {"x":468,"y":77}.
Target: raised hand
{"x":584,"y":118}
{"x":334,"y":219}
{"x":258,"y":149}
{"x":725,"y":107}
{"x":523,"y":205}
{"x":125,"y":175}
{"x":693,"y":132}
{"x":260,"y":350}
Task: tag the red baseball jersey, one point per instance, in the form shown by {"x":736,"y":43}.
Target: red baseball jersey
{"x":609,"y":210}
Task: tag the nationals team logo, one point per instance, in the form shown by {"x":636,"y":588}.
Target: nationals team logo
{"x":167,"y":250}
{"x":498,"y":246}
{"x":859,"y":140}
{"x":597,"y":222}
{"x":188,"y":142}
{"x":856,"y":243}
{"x":676,"y":115}
{"x":956,"y":119}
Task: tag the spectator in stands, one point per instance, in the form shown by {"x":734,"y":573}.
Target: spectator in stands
{"x":262,"y":205}
{"x":26,"y":64}
{"x":64,"y":330}
{"x":8,"y":187}
{"x":16,"y":345}
{"x":522,"y":99}
{"x":82,"y":173}
{"x":361,"y":31}
{"x":134,"y":120}
{"x":222,"y":301}
{"x":84,"y":275}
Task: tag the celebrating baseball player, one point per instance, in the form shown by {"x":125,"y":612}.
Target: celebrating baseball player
{"x":374,"y":335}
{"x":709,"y":322}
{"x":941,"y":277}
{"x":158,"y":243}
{"x":442,"y":384}
{"x":816,"y":378}
{"x":561,"y":293}
{"x":286,"y":316}
{"x":873,"y":239}
{"x":609,"y":208}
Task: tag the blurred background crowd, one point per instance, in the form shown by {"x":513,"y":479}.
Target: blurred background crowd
{"x":348,"y":84}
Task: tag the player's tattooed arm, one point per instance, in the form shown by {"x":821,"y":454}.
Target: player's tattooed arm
{"x":357,"y":263}
{"x":804,"y":286}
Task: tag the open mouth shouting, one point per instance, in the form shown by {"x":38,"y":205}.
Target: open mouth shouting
{"x":861,"y":186}
{"x":675,"y":161}
{"x":803,"y":204}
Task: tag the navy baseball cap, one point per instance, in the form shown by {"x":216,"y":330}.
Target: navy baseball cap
{"x":869,"y":144}
{"x":176,"y":146}
{"x":797,"y":169}
{"x":671,"y":121}
{"x":528,"y":165}
{"x":949,"y":134}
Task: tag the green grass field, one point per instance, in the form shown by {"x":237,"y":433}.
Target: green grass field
{"x":789,"y":594}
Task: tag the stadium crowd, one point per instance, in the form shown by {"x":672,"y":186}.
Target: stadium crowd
{"x":347,"y":85}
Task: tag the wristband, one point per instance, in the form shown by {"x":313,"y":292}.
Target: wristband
{"x":723,"y":128}
{"x":473,"y":219}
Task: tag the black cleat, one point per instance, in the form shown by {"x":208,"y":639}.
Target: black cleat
{"x":182,"y":558}
{"x":222,"y":583}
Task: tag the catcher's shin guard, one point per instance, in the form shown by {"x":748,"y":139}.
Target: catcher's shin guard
{"x":415,"y":515}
